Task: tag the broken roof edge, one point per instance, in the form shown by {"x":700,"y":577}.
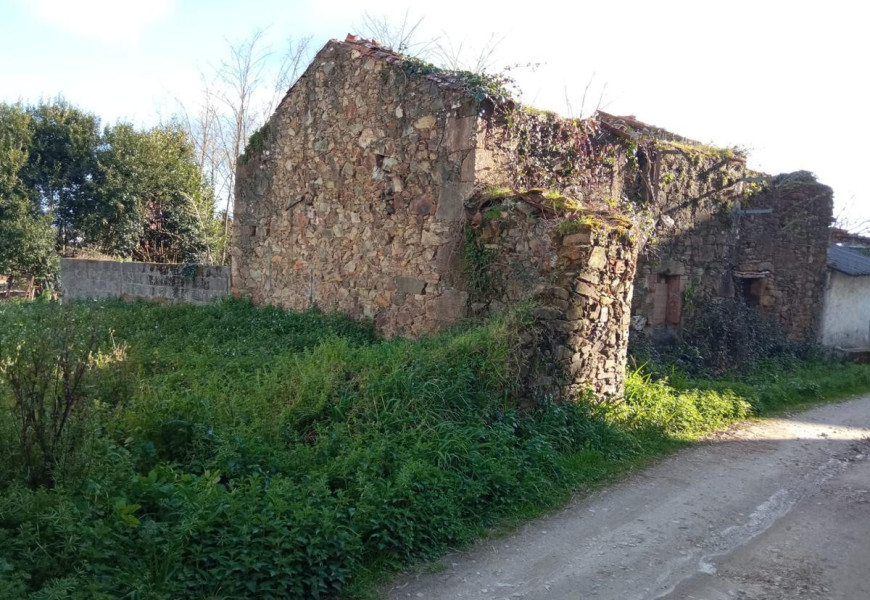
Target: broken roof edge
{"x":472,"y":84}
{"x":845,"y":237}
{"x":480,"y":85}
{"x":629,"y":126}
{"x":444,"y":78}
{"x":623,"y":126}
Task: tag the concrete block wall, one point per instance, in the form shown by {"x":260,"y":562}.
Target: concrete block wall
{"x":82,"y":279}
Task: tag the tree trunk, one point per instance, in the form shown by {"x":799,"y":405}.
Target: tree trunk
{"x":226,"y":233}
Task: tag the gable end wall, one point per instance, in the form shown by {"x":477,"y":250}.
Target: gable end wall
{"x":355,"y":202}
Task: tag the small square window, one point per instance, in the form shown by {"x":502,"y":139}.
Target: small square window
{"x":750,"y":290}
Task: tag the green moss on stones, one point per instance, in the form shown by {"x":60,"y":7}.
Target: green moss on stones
{"x":706,"y":150}
{"x":492,"y":203}
{"x":481,"y":86}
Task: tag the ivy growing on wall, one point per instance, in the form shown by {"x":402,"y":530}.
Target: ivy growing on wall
{"x":255,"y":143}
{"x":496,"y":88}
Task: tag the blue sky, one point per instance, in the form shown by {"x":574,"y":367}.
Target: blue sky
{"x":788,"y":80}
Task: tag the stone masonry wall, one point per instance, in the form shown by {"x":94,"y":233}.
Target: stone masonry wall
{"x":578,"y":274}
{"x":93,"y":279}
{"x":692,"y":250}
{"x":788,"y":247}
{"x":714,"y":229}
{"x":522,"y":149}
{"x":370,"y":191}
{"x":354,"y":201}
{"x":359,"y":196}
{"x":723,"y":231}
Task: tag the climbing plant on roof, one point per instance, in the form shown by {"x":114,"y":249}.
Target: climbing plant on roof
{"x":492,"y":87}
{"x":549,"y":151}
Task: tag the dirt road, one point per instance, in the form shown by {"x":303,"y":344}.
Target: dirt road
{"x":773,"y":510}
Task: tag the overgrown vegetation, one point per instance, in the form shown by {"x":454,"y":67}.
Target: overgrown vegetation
{"x":480,"y":85}
{"x":551,"y":150}
{"x":229,"y":451}
{"x":255,"y":143}
{"x":734,"y":153}
{"x":723,"y":335}
{"x":476,"y":262}
{"x":495,"y":202}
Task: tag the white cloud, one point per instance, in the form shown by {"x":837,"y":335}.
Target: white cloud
{"x":113,"y":21}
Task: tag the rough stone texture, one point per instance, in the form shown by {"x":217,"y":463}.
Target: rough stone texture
{"x":704,"y":240}
{"x":93,"y":279}
{"x":581,"y":283}
{"x":356,"y":200}
{"x":581,"y":159}
{"x":360,"y":199}
{"x":791,"y":244}
{"x":715,"y":229}
{"x":692,"y":250}
{"x":362,"y":191}
{"x":723,"y":231}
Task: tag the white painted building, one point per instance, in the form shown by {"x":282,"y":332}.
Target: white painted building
{"x":846,"y":312}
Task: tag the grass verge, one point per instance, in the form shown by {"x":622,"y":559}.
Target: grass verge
{"x":229,"y":451}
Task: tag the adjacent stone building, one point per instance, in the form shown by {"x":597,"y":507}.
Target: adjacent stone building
{"x":723,"y":231}
{"x":711,"y":227}
{"x":388,"y":189}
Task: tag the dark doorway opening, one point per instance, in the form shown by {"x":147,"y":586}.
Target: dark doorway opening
{"x":750,"y":290}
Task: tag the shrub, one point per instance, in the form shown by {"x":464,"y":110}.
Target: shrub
{"x":683,"y":414}
{"x":45,"y":367}
{"x":724,"y":335}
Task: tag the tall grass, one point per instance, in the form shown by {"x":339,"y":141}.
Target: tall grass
{"x":241,"y":452}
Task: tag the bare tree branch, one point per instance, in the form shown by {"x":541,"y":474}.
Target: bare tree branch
{"x":296,"y":57}
{"x":849,"y":220}
{"x":236,"y":98}
{"x":585,"y":92}
{"x":601,"y":97}
{"x":455,"y":57}
{"x":402,"y":37}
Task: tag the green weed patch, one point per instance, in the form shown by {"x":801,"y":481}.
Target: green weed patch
{"x":230,"y":451}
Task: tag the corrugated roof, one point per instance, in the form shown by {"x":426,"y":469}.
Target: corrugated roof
{"x":848,"y":260}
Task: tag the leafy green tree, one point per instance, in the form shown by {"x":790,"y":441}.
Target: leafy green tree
{"x":61,"y":164}
{"x":15,"y":136}
{"x":26,"y":235}
{"x":150,"y":202}
{"x":65,"y":186}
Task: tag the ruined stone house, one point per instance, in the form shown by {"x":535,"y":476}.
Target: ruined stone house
{"x":720,"y":230}
{"x":387,"y":189}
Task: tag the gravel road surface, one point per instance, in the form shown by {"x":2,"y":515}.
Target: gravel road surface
{"x":778,"y":509}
